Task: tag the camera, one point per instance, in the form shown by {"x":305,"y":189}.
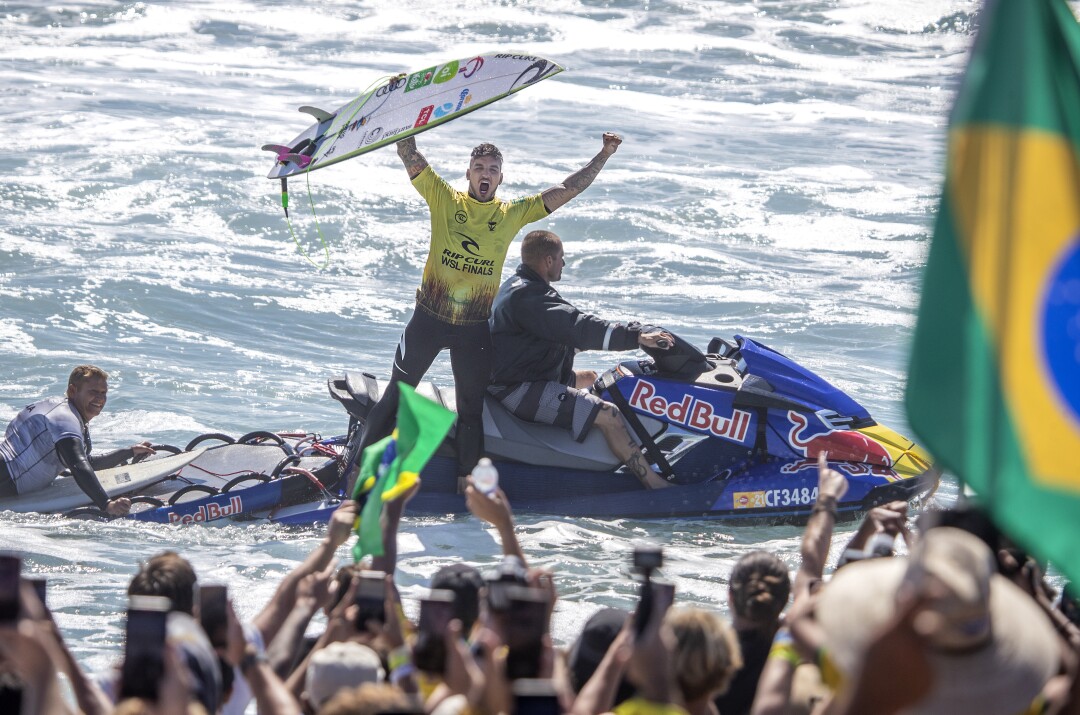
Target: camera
{"x":10,"y":575}
{"x":213,"y":613}
{"x":40,"y":585}
{"x":648,"y":558}
{"x":370,"y":599}
{"x":535,"y":697}
{"x":144,"y":647}
{"x":436,"y":611}
{"x":526,"y":625}
{"x":509,"y":572}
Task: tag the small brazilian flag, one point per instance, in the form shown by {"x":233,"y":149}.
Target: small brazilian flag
{"x":994,"y":388}
{"x":391,"y":466}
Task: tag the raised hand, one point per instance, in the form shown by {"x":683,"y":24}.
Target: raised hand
{"x":611,"y":142}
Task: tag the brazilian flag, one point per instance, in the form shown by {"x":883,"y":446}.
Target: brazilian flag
{"x":994,"y":387}
{"x":391,"y":466}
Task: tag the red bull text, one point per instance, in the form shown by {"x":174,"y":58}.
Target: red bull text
{"x":209,"y":512}
{"x":690,"y":412}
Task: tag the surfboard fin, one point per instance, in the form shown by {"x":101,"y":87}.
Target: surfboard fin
{"x":301,"y":160}
{"x":320,"y":114}
{"x":286,"y":154}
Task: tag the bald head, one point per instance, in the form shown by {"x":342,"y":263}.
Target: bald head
{"x":538,"y":245}
{"x":542,"y":251}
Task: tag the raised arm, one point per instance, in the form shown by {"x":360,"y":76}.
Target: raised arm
{"x":272,"y":616}
{"x":577,"y":182}
{"x":832,"y":485}
{"x":391,"y":520}
{"x":413,"y":160}
{"x":495,"y":510}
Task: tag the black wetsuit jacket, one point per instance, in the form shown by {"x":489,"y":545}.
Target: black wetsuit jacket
{"x":536,"y":332}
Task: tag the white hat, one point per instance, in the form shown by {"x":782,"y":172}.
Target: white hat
{"x":992,"y":647}
{"x":338,"y":666}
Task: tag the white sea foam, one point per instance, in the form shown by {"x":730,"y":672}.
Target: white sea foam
{"x":780,"y":168}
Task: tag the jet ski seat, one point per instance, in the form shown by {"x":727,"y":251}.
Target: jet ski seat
{"x":506,"y":436}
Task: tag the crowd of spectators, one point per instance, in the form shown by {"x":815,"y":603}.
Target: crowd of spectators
{"x":940,"y":614}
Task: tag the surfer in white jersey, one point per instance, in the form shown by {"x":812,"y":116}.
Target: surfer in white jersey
{"x":52,"y":434}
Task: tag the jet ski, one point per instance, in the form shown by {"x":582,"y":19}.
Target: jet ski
{"x":736,"y":430}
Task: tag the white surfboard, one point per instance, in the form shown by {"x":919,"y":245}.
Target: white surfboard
{"x":64,"y":493}
{"x":406,"y":105}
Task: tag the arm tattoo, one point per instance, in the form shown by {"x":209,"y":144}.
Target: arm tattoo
{"x":580,"y":179}
{"x":411,"y":157}
{"x":574,"y":184}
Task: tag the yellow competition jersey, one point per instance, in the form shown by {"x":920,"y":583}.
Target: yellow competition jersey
{"x":469,"y":240}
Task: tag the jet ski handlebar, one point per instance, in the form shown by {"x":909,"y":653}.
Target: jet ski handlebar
{"x":682,"y":359}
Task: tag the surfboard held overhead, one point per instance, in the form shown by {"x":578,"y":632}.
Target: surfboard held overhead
{"x":406,"y":104}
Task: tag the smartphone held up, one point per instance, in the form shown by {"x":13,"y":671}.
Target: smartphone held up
{"x":144,"y":647}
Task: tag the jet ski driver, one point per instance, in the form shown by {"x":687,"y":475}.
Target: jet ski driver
{"x":536,"y":333}
{"x":52,"y":434}
{"x":470,"y":234}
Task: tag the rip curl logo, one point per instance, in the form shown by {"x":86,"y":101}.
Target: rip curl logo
{"x":470,"y":246}
{"x":460,"y":217}
{"x":471,"y":67}
{"x":492,"y":225}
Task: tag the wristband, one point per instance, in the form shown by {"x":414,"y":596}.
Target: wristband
{"x":828,"y":507}
{"x":398,"y":657}
{"x":252,"y":658}
{"x":785,"y":652}
{"x":401,"y":672}
{"x":830,"y":674}
{"x":638,"y":705}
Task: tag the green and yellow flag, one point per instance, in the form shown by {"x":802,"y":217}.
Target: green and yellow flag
{"x":391,"y":466}
{"x":994,"y":388}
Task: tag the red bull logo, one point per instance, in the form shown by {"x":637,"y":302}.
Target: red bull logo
{"x":852,"y":469}
{"x":209,"y":512}
{"x":690,"y":412}
{"x":839,"y":445}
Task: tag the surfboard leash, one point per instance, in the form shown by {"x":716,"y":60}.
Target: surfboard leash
{"x":292,"y":232}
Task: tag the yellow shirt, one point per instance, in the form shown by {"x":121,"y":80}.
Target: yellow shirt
{"x":469,"y":240}
{"x":641,"y":706}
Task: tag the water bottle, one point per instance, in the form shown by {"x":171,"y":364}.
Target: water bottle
{"x":485,"y":477}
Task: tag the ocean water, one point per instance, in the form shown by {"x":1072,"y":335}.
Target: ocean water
{"x":778,"y":178}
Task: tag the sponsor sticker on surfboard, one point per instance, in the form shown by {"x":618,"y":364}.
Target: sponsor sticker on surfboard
{"x":405,"y":105}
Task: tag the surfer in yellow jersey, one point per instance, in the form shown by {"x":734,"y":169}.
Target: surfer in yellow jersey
{"x":470,"y":234}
